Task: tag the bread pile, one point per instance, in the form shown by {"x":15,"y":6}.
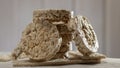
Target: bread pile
{"x":49,"y":36}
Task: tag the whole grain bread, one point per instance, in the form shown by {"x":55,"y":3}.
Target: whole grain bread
{"x":84,"y":35}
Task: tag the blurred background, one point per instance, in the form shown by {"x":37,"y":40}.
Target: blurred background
{"x":104,"y":16}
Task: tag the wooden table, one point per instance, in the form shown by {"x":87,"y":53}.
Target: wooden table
{"x":106,"y":63}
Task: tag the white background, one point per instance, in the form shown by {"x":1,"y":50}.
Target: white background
{"x":103,"y":14}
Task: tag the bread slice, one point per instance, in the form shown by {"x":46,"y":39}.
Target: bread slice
{"x":84,"y":35}
{"x":40,"y":41}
